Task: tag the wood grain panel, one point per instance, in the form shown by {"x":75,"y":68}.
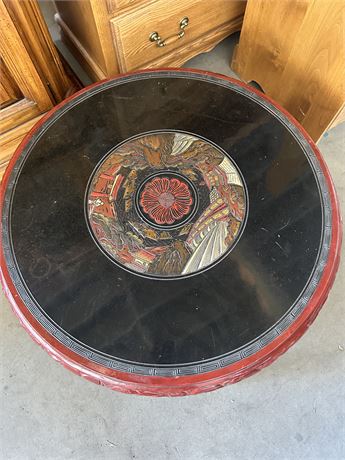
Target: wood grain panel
{"x":85,"y":24}
{"x":101,"y":16}
{"x":77,"y":49}
{"x":296,"y":52}
{"x":36,"y":38}
{"x":202,"y":45}
{"x":9,"y":91}
{"x":132,"y":29}
{"x":19,"y":62}
{"x":10,"y":140}
{"x":78,"y":17}
{"x":33,"y":71}
{"x":115,"y":5}
{"x":32,"y":76}
{"x":17,"y":113}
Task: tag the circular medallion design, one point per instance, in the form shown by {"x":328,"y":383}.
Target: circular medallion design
{"x":166,"y":200}
{"x":166,"y":205}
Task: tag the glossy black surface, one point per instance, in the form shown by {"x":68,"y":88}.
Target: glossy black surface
{"x":166,"y":322}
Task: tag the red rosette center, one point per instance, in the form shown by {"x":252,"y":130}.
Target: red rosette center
{"x":166,"y":200}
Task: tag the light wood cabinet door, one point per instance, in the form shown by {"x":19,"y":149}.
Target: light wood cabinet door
{"x":26,"y":94}
{"x":32,"y":77}
{"x":295,"y":50}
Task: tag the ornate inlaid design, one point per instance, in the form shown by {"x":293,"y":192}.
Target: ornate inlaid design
{"x":166,"y":200}
{"x":166,"y":205}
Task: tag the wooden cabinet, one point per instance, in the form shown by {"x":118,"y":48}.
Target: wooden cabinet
{"x":112,"y":36}
{"x":295,"y":50}
{"x":32,"y":77}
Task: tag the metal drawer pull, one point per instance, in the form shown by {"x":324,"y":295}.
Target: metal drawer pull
{"x":154,"y":37}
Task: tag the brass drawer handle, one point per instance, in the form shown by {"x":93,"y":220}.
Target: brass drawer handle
{"x":154,"y":37}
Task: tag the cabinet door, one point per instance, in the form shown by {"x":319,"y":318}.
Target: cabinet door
{"x":23,"y":94}
{"x":27,"y":56}
{"x":295,"y":50}
{"x":9,"y":91}
{"x":32,"y":77}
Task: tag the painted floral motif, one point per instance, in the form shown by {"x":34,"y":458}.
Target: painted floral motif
{"x":166,"y":200}
{"x":166,"y":205}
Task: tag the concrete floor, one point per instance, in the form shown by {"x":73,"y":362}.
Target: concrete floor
{"x":294,"y":409}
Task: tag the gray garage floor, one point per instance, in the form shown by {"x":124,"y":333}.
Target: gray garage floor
{"x":294,"y":409}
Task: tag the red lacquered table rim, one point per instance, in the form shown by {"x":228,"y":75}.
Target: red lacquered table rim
{"x":187,"y":384}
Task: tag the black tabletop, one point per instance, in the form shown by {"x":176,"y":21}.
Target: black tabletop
{"x":166,"y":220}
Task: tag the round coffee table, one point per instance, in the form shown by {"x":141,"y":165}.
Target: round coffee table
{"x":168,"y":232}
